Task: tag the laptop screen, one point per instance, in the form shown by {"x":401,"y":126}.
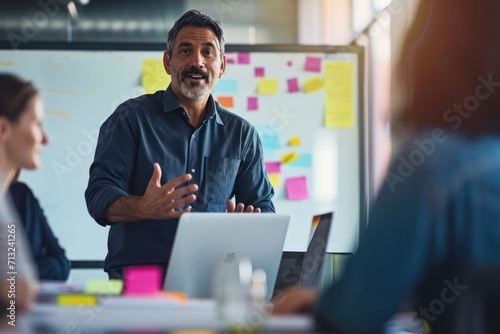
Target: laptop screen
{"x":306,"y":269}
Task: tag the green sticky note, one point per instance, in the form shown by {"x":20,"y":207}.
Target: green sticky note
{"x":104,"y":287}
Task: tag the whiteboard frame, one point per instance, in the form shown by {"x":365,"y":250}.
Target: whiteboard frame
{"x":362,"y":110}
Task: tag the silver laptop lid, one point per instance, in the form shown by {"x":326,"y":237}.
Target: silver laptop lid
{"x":204,"y":239}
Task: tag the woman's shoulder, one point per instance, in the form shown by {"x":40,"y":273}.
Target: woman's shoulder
{"x":22,"y":196}
{"x":19,"y":188}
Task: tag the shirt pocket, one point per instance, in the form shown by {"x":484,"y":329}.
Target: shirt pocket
{"x":220,"y":175}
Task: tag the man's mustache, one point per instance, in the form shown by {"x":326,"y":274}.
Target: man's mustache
{"x":195,"y":71}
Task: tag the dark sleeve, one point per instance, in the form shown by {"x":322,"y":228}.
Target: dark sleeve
{"x":53,"y":265}
{"x":393,"y":256}
{"x":252,"y":186}
{"x":113,"y":163}
{"x":49,"y":256}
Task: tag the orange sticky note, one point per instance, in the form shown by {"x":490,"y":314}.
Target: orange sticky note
{"x":175,"y":295}
{"x":226,"y":101}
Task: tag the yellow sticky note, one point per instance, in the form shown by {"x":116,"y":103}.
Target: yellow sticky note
{"x":290,"y":157}
{"x":339,"y":94}
{"x":295,"y":141}
{"x":57,"y":113}
{"x":76,"y":300}
{"x":104,"y":287}
{"x":267,"y":86}
{"x":154,"y":77}
{"x":275,"y":179}
{"x":313,"y":84}
{"x":6,"y":63}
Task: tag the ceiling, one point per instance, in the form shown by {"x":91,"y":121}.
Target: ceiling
{"x":146,"y":21}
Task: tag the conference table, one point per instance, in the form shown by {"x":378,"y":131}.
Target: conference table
{"x":119,"y":314}
{"x":63,"y":308}
{"x":116,"y":314}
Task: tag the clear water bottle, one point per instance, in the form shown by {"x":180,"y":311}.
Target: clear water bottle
{"x":240,"y":296}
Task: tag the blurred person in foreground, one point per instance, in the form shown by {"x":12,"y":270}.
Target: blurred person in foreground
{"x":438,"y":213}
{"x":21,"y":138}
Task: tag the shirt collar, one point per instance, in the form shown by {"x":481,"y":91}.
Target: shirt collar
{"x":171,"y":103}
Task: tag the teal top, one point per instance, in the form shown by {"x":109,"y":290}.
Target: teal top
{"x":437,"y":214}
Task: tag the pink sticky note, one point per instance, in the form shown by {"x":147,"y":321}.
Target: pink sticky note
{"x":289,"y":63}
{"x":260,"y":72}
{"x":293,"y":85}
{"x":243,"y":58}
{"x":296,"y":188}
{"x":231,"y":57}
{"x":273,"y":167}
{"x":141,"y":280}
{"x":253,"y":103}
{"x":313,"y":64}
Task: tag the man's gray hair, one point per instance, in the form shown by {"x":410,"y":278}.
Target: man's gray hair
{"x":198,"y":19}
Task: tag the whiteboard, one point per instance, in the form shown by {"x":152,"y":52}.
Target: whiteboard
{"x":81,"y":87}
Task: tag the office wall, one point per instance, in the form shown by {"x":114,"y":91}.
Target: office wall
{"x":81,"y":88}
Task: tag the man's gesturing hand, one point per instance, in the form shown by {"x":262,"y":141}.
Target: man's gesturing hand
{"x":160,"y":202}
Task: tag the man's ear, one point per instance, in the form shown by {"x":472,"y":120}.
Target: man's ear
{"x":166,"y":62}
{"x":222,"y":67}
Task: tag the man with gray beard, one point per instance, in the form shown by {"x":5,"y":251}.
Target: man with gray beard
{"x":174,"y":151}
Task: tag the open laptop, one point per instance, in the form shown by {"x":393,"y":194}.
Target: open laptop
{"x":306,"y":269}
{"x":204,"y":239}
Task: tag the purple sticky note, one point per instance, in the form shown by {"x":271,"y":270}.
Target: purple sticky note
{"x":244,"y":58}
{"x":293,"y":85}
{"x":260,"y":72}
{"x":273,"y":167}
{"x":313,"y":64}
{"x":253,"y":103}
{"x":142,"y":280}
{"x":296,"y":188}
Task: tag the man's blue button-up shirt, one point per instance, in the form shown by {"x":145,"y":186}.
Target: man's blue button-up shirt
{"x":224,"y":156}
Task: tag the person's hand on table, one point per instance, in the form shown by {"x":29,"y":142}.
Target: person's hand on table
{"x":294,"y":300}
{"x":240,"y":207}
